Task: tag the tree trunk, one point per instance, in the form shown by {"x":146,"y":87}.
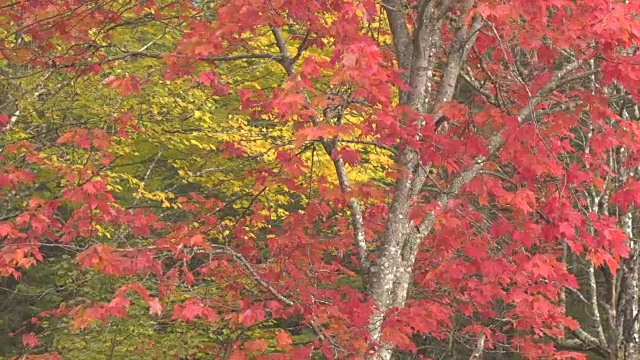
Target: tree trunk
{"x":632,"y":352}
{"x":391,"y":274}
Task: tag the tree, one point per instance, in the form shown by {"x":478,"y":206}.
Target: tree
{"x":397,"y":170}
{"x":608,"y":302}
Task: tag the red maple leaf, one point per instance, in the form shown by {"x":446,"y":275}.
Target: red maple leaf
{"x":283,"y":340}
{"x":30,"y":340}
{"x":256,"y":346}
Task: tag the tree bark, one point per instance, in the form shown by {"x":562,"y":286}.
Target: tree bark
{"x":390,"y":275}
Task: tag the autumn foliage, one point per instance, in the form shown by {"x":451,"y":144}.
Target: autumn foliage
{"x":322,"y":179}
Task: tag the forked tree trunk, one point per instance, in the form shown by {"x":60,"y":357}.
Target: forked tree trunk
{"x":389,"y":276}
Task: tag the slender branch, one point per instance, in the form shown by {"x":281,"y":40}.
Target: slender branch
{"x":498,"y":175}
{"x":578,"y":294}
{"x":247,"y":266}
{"x":556,"y":81}
{"x":593,"y":287}
{"x":477,"y":87}
{"x":221,"y":249}
{"x":282,"y":45}
{"x":302,"y":47}
{"x":372,"y":143}
{"x":583,"y":75}
{"x":494,"y":143}
{"x":483,"y":66}
{"x":357,"y":220}
{"x":145,"y":54}
{"x":562,"y":107}
{"x":285,"y":60}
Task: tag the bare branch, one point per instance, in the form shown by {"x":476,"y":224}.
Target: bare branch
{"x":254,"y":275}
{"x":477,"y":352}
{"x":499,"y":176}
{"x":144,"y":54}
{"x":285,"y":60}
{"x":302,"y":47}
{"x":584,"y":342}
{"x":372,"y":143}
{"x":578,"y":294}
{"x":354,"y":206}
{"x":593,"y":287}
{"x":492,"y":78}
{"x":477,"y":87}
{"x":558,"y":79}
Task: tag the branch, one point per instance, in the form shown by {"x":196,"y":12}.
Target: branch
{"x":499,"y":176}
{"x":477,"y":87}
{"x":144,"y":54}
{"x":247,"y":266}
{"x":562,"y":107}
{"x":354,"y":206}
{"x":458,"y":50}
{"x":399,"y":32}
{"x":477,"y":352}
{"x":580,"y":344}
{"x":357,"y":220}
{"x":302,"y":47}
{"x":558,"y":79}
{"x":372,"y":143}
{"x":580,"y":76}
{"x":494,"y":143}
{"x":282,"y":45}
{"x":590,"y":341}
{"x":483,"y":66}
{"x":222,"y":249}
{"x":584,"y":342}
{"x":593,"y":287}
{"x":285,"y":59}
{"x":578,"y":294}
{"x":425,"y":34}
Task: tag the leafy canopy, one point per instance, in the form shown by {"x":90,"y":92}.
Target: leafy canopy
{"x":225,"y":172}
